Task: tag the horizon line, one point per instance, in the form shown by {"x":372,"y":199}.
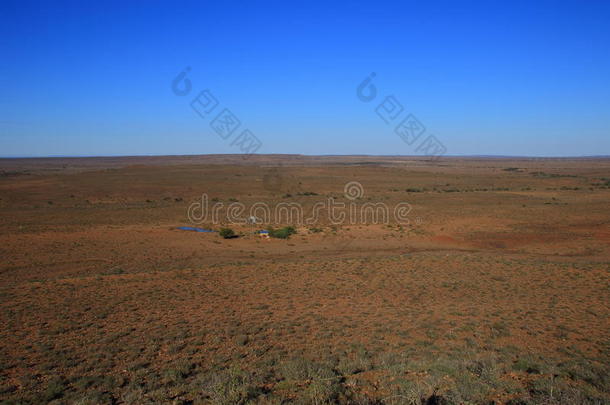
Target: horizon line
{"x":305,"y":155}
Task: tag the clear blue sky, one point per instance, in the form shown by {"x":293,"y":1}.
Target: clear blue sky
{"x":505,"y":78}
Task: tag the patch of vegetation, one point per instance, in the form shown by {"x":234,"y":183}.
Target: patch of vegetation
{"x":55,"y":389}
{"x":527,"y":364}
{"x":113,"y":271}
{"x":242,"y":340}
{"x":551,"y":175}
{"x":232,"y":386}
{"x":227,"y":233}
{"x":282,"y":233}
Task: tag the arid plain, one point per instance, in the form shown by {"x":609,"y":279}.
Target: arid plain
{"x":495,"y":290}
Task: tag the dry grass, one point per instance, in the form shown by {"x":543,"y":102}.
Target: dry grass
{"x":483,"y":301}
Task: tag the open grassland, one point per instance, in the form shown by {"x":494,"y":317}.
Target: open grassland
{"x":496,"y":291}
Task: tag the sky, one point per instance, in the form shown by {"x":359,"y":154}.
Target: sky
{"x":526,"y":78}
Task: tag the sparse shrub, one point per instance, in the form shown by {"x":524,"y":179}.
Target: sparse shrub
{"x":303,"y":369}
{"x":323,"y":392}
{"x":282,"y":233}
{"x":116,"y":270}
{"x":226,"y":233}
{"x":500,"y":329}
{"x":94,"y":398}
{"x":354,"y":364}
{"x":405,"y":391}
{"x":242,"y":340}
{"x":527,"y":364}
{"x":54,"y":390}
{"x":179,"y":371}
{"x":230,"y":387}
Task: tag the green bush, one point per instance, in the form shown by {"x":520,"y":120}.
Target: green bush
{"x":227,"y":233}
{"x":55,"y":389}
{"x":282,"y":233}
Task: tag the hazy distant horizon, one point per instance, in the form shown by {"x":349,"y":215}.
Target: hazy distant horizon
{"x":312,"y":155}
